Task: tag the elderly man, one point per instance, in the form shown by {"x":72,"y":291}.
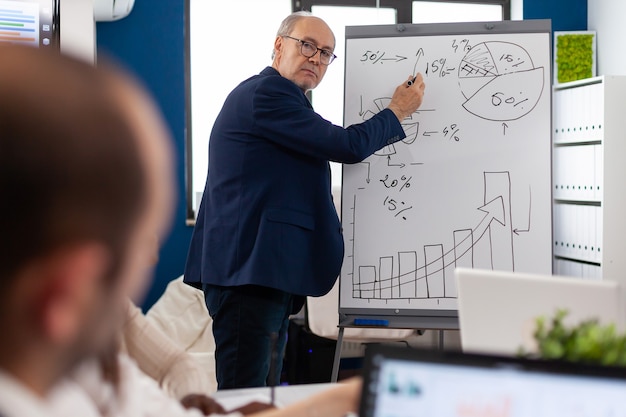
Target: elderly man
{"x":267,"y":233}
{"x":85,"y":183}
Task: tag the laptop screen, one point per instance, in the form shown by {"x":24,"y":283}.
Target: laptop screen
{"x":413,"y":383}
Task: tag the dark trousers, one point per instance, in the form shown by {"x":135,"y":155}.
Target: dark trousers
{"x":249,"y":321}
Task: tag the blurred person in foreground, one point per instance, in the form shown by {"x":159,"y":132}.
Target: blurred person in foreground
{"x":85,"y":183}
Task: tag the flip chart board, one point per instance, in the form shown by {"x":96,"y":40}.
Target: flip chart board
{"x":469,"y":186}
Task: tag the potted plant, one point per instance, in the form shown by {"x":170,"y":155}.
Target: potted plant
{"x":587,"y":342}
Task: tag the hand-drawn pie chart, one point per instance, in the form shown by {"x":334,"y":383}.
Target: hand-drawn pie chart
{"x":411,"y":128}
{"x":500,"y":81}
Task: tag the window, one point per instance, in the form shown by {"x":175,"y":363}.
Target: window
{"x":442,"y":11}
{"x":228,"y":42}
{"x":406,"y":9}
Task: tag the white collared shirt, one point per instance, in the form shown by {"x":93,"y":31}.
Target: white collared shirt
{"x":17,"y":400}
{"x":138,"y":396}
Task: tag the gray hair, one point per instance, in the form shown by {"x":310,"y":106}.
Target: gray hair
{"x":287,"y":25}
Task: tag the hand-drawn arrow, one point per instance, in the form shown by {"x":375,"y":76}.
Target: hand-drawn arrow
{"x":367,"y":180}
{"x":401,"y":165}
{"x":419,"y":54}
{"x":494,"y":210}
{"x":361,"y":112}
{"x":504,"y":126}
{"x":398,"y":58}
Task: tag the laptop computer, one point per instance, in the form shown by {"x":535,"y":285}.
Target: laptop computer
{"x":497,"y":310}
{"x":405,"y":382}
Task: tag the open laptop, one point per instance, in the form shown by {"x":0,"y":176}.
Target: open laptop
{"x":497,"y":310}
{"x":405,"y":382}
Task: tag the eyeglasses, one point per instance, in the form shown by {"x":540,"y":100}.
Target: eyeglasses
{"x":309,"y":50}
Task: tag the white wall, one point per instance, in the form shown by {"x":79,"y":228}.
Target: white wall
{"x":78,"y":29}
{"x":606,"y":17}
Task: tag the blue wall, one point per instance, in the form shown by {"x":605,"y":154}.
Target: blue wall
{"x":565,"y":14}
{"x":150,"y":42}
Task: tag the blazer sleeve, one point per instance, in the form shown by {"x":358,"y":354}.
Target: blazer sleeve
{"x":283,"y":116}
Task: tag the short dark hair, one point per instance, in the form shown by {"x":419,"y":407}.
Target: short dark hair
{"x":70,"y":165}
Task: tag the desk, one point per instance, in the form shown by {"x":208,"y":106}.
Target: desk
{"x":284,"y":395}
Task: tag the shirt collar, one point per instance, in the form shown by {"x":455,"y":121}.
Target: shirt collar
{"x":16,"y":400}
{"x":270,"y":71}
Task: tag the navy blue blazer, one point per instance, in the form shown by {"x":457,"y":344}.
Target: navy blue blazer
{"x":267,"y":216}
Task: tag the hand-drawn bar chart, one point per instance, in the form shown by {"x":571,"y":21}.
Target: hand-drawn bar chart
{"x":19,"y":22}
{"x":428,"y":273}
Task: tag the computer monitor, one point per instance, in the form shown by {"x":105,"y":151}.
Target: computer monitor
{"x":30,"y":22}
{"x":405,"y":382}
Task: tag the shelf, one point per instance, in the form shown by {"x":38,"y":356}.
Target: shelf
{"x":581,"y":143}
{"x":578,"y":83}
{"x":595,"y":203}
{"x":580,"y":261}
{"x":591,"y":157}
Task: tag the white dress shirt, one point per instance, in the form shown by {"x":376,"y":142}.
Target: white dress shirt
{"x":138,"y":395}
{"x":17,"y":400}
{"x":161,"y":358}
